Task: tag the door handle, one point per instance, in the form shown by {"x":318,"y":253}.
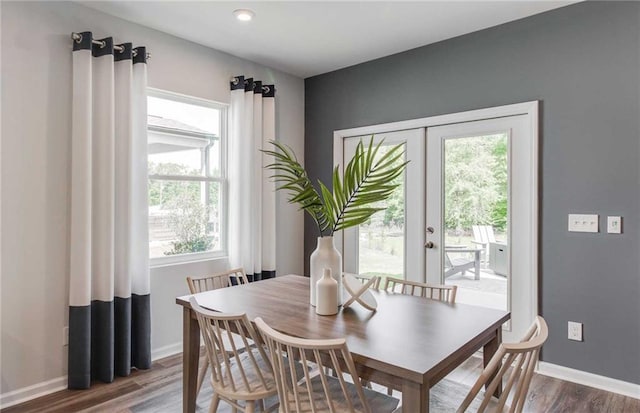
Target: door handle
{"x":429,"y":245}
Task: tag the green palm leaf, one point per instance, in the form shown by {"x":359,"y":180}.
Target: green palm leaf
{"x":292,"y":177}
{"x":367,"y":179}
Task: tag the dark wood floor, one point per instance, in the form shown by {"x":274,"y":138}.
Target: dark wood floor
{"x":159,"y":390}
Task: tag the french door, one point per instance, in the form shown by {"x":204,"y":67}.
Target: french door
{"x":426,"y":232}
{"x":389,"y":244}
{"x":479,"y":175}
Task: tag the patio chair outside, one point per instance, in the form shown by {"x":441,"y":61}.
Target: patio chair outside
{"x":482,"y":236}
{"x":453,"y":266}
{"x":459,"y":259}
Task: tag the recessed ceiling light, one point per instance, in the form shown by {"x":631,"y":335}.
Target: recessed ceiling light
{"x":244,"y":15}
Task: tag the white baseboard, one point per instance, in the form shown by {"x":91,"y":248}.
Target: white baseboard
{"x":166,"y":351}
{"x":589,"y":379}
{"x":32,"y":392}
{"x":51,"y":386}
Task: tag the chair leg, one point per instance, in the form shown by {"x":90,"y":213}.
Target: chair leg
{"x":250,"y":407}
{"x":215,"y":401}
{"x":202,"y":374}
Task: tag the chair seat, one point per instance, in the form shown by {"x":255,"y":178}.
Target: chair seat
{"x":251,"y":389}
{"x":378,"y":402}
{"x":237,"y":342}
{"x":457,"y":262}
{"x":244,"y":392}
{"x":457,"y":265}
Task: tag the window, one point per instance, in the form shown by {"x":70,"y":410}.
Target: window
{"x":187,"y":177}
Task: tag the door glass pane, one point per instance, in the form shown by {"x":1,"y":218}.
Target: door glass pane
{"x":381,"y":240}
{"x":475,"y":218}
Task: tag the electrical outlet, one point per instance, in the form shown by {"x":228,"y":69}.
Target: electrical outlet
{"x":575,"y":331}
{"x":65,"y":336}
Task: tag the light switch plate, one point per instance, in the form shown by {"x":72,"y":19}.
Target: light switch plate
{"x":614,"y":225}
{"x":583,"y":223}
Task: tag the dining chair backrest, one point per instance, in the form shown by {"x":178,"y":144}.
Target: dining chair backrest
{"x":302,"y":390}
{"x":213,"y":282}
{"x":364,"y":278}
{"x":515,"y":362}
{"x":233,"y":376}
{"x":220,"y":280}
{"x":446,"y":293}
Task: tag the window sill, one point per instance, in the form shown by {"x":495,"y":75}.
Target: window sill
{"x":163,"y":262}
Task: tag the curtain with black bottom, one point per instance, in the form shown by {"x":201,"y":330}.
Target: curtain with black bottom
{"x":109,"y":291}
{"x":252,"y":199}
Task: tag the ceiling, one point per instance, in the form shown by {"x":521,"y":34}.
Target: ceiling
{"x":307,"y":38}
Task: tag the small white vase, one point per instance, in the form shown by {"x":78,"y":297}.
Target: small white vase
{"x":327,"y":294}
{"x":325,"y":256}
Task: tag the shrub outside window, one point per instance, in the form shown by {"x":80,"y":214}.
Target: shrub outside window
{"x":187,"y":178}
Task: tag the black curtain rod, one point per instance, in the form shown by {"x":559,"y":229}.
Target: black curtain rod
{"x":78,"y":38}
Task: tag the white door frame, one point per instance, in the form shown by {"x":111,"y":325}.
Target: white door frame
{"x":530,"y":109}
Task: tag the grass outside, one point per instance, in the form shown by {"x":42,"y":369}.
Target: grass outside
{"x":381,"y":252}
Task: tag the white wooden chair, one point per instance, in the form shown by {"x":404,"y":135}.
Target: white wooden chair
{"x":219,"y":280}
{"x":307,"y":391}
{"x":482,"y":236}
{"x":446,"y":293}
{"x":517,"y":368}
{"x":364,"y":278}
{"x":224,"y":279}
{"x":235,"y":376}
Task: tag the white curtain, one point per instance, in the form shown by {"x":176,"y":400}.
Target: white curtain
{"x":252,"y":202}
{"x":109,"y":297}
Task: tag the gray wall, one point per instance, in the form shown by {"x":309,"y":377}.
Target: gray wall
{"x":582,"y":63}
{"x":36,"y":132}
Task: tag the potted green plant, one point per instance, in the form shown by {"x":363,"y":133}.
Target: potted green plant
{"x":367,"y":178}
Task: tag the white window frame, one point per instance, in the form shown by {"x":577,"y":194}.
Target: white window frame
{"x":223,"y":180}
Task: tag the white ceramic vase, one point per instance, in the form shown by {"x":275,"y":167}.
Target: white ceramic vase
{"x":325,"y":256}
{"x":327,"y":294}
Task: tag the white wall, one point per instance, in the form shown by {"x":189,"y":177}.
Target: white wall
{"x":36,"y":131}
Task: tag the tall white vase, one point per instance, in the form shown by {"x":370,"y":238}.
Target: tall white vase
{"x":325,"y":256}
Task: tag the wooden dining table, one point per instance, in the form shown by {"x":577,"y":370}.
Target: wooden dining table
{"x":409,"y":343}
